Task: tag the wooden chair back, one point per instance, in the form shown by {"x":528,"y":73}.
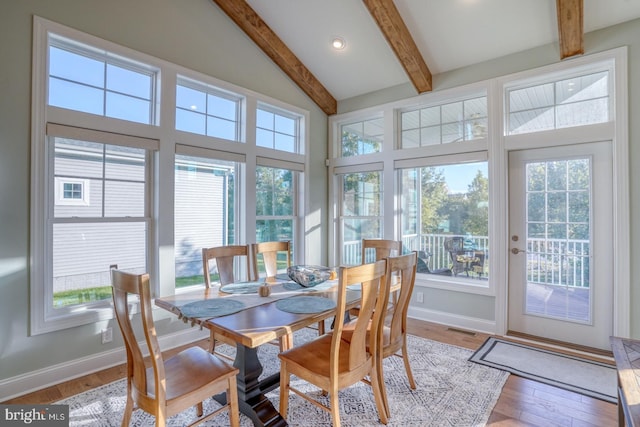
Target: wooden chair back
{"x":373,"y":304}
{"x":166,"y":388}
{"x":346,"y":355}
{"x":269,"y":252}
{"x":402,"y":268}
{"x":224,"y":257}
{"x":382,"y":248}
{"x":394,"y":334}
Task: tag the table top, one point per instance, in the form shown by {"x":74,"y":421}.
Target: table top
{"x":261,"y":321}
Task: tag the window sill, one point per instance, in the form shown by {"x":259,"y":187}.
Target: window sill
{"x":456,"y":284}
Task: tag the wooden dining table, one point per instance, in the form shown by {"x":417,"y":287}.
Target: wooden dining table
{"x":259,"y":323}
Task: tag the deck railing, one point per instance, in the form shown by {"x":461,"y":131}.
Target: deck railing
{"x":549,"y":261}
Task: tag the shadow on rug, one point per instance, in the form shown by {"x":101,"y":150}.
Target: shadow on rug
{"x":451,"y":391}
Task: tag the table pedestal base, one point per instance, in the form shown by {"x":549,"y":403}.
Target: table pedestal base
{"x":251,"y":399}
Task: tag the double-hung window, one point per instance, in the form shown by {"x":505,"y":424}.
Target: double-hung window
{"x":277,"y":190}
{"x":97,"y":216}
{"x":92,"y":182}
{"x":206,"y":209}
{"x":361,"y":211}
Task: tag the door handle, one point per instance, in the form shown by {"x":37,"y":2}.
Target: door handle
{"x":516,"y":251}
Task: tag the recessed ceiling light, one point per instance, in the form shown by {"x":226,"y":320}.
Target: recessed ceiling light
{"x":338,"y":43}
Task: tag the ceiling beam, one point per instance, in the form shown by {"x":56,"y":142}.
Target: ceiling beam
{"x":570,"y":27}
{"x":250,"y":22}
{"x":388,"y":18}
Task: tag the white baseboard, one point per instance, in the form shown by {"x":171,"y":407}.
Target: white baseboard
{"x":52,"y":375}
{"x":455,"y":320}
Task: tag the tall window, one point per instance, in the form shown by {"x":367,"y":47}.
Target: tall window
{"x":110,"y":228}
{"x":445,"y":217}
{"x":84,"y":79}
{"x":361,"y":212}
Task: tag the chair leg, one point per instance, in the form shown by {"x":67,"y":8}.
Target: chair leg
{"x":321,"y":330}
{"x":284,"y":390}
{"x":161,"y":418}
{"x":128,"y":410}
{"x":232,"y":400}
{"x":335,"y":407}
{"x":378,"y":390}
{"x":407,"y":367}
{"x":199,"y":410}
{"x":383,"y":387}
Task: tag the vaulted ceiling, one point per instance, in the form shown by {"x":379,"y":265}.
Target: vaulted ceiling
{"x":392,"y":42}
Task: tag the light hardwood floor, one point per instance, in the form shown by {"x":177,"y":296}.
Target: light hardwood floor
{"x":522,"y":403}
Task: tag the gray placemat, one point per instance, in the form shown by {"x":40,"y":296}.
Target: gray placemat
{"x":211,"y":308}
{"x":242,"y":288}
{"x":292,"y":286}
{"x":305,"y":304}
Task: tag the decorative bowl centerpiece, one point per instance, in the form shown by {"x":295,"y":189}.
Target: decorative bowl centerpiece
{"x":309,"y":275}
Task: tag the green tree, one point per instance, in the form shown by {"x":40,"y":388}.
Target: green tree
{"x":477,"y":206}
{"x":273,"y":198}
{"x":434,"y":196}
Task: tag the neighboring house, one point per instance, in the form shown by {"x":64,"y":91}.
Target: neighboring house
{"x":197,"y":202}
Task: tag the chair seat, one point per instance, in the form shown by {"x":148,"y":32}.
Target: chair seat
{"x":190,"y":370}
{"x":309,"y":361}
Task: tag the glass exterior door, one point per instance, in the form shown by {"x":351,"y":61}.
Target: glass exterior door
{"x":560,"y":254}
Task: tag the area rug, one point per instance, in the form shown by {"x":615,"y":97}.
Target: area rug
{"x":451,"y":391}
{"x":576,"y":374}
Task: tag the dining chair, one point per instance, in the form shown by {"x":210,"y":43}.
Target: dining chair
{"x":381,"y":248}
{"x":400,"y":270}
{"x":167,"y":387}
{"x":269,"y":252}
{"x":224,"y":257}
{"x":333,"y":363}
{"x":394,"y":334}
